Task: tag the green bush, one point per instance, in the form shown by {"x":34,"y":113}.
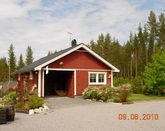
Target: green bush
{"x":154,"y":75}
{"x":120,"y":81}
{"x":2,"y":106}
{"x":103,"y":93}
{"x":18,"y":106}
{"x":137,"y":85}
{"x":121,"y":93}
{"x":35,"y":101}
{"x":90,"y":93}
{"x":10,"y":98}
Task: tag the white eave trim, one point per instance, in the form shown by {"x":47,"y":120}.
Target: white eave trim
{"x":74,"y":49}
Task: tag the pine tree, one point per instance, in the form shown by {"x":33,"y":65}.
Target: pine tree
{"x":29,"y":55}
{"x":21,"y":63}
{"x":12,"y":59}
{"x":145,"y":36}
{"x":3,"y":69}
{"x":106,"y":47}
{"x":100,"y":42}
{"x":141,"y":51}
{"x":161,"y":33}
{"x":152,"y":27}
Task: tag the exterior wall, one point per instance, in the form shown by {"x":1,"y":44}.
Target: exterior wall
{"x":82,"y":81}
{"x":25,"y":78}
{"x":78,"y":60}
{"x":83,"y":62}
{"x":71,"y":86}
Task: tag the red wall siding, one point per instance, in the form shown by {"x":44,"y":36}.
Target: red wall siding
{"x":82,"y":81}
{"x":31,"y":83}
{"x":71,"y":86}
{"x":79,"y":60}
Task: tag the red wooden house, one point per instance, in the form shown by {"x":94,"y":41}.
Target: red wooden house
{"x":70,"y":70}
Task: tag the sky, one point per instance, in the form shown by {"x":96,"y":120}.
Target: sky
{"x":44,"y":24}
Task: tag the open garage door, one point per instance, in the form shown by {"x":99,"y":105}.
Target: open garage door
{"x":59,"y":83}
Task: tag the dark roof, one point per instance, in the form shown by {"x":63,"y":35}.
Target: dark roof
{"x":31,"y":66}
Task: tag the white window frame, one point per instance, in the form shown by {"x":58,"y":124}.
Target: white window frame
{"x":30,"y":75}
{"x":97,"y":78}
{"x":19,"y":77}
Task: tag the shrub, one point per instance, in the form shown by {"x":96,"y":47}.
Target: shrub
{"x":35,"y":101}
{"x":103,"y":93}
{"x":137,"y":85}
{"x":18,"y":106}
{"x":26,"y":106}
{"x":122,"y":93}
{"x":120,"y":81}
{"x":154,"y":75}
{"x":2,"y":106}
{"x":10,"y":98}
{"x":90,"y":93}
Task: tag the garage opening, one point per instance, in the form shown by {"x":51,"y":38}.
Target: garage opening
{"x":59,"y":83}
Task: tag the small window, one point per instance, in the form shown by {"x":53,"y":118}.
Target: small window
{"x":97,"y":78}
{"x":92,"y":78}
{"x":101,"y":78}
{"x":19,"y":77}
{"x":30,"y":76}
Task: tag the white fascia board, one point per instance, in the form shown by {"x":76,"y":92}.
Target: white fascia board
{"x":76,"y":48}
{"x":101,"y":59}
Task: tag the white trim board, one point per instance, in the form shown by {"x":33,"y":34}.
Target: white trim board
{"x":75,"y":87}
{"x":39,"y":83}
{"x":43,"y":83}
{"x":74,"y":49}
{"x":65,"y":69}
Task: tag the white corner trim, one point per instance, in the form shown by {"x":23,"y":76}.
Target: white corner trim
{"x":111,"y":78}
{"x":97,"y":74}
{"x":39,"y":83}
{"x":75,"y":87}
{"x":43,"y":82}
{"x":74,"y":49}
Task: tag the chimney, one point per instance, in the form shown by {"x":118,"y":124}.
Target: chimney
{"x":73,"y":42}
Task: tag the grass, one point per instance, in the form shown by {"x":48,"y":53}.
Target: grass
{"x":142,"y":97}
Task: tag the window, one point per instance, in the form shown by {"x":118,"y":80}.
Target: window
{"x":19,"y":77}
{"x":97,"y":78}
{"x":30,"y":76}
{"x":92,"y":78}
{"x":101,"y":78}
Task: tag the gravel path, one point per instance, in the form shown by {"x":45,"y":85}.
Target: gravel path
{"x":68,"y":114}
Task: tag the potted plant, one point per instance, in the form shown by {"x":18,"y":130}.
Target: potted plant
{"x":10,"y":100}
{"x":3,"y":119}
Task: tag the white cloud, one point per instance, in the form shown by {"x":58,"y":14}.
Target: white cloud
{"x":45,"y":27}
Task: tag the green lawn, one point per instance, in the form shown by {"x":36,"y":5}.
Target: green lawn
{"x":142,"y":97}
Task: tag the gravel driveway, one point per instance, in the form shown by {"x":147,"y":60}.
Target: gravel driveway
{"x":68,"y":114}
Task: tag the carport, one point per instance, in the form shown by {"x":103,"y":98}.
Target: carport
{"x":59,"y":83}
